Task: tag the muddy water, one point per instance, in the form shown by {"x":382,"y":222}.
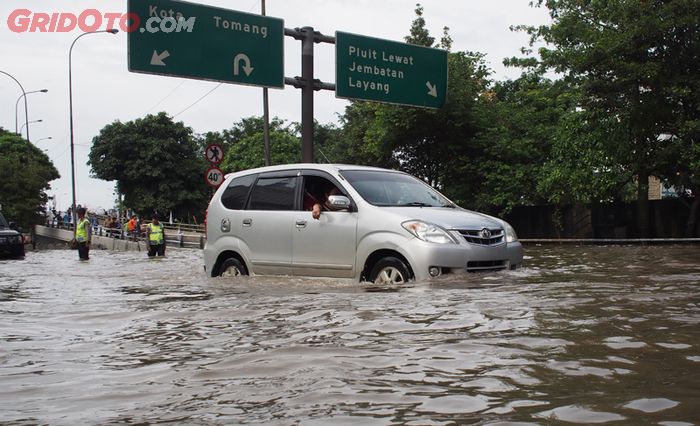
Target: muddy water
{"x":587,"y":335}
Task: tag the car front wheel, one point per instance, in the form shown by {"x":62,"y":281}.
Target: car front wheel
{"x":389,"y":271}
{"x":232,"y":268}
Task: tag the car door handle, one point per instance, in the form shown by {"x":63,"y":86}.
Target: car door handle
{"x":247,"y":222}
{"x":301,"y":223}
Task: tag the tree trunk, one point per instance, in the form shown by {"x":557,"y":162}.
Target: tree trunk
{"x":643,"y":204}
{"x":691,"y":224}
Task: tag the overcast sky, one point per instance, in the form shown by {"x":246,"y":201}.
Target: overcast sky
{"x":104,"y":90}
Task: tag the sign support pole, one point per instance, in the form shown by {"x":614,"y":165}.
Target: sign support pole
{"x":307,"y":103}
{"x":308,"y":84}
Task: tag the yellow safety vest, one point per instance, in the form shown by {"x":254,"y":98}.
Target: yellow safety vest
{"x":81,"y":231}
{"x":156,"y":234}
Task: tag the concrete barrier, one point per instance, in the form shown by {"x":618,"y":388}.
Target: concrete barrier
{"x":103,"y":243}
{"x":190,"y":240}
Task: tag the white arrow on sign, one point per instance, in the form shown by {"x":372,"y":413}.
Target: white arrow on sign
{"x":246,"y":64}
{"x":157,"y":59}
{"x":432,"y":89}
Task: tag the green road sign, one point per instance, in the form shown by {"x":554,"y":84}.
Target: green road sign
{"x":388,"y":71}
{"x":190,"y":40}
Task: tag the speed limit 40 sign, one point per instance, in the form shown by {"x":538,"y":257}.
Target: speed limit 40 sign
{"x":214,"y":176}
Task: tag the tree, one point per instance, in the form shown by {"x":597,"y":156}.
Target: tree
{"x":361,"y":138}
{"x":635,"y":63}
{"x":157,"y":164}
{"x":25,"y":173}
{"x":515,"y":142}
{"x":244,"y":149}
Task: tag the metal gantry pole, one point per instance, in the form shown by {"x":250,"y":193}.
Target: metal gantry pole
{"x":308,"y":85}
{"x":307,"y":95}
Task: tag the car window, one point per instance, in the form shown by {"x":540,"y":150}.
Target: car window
{"x":3,"y":222}
{"x":394,"y":189}
{"x":316,"y":189}
{"x":273,"y":194}
{"x":236,"y":194}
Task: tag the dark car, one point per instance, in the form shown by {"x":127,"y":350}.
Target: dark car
{"x":11,"y":243}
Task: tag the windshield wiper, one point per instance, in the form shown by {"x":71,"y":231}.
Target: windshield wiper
{"x":416,"y":204}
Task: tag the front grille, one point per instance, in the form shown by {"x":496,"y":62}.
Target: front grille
{"x":486,"y":265}
{"x":484,"y":236}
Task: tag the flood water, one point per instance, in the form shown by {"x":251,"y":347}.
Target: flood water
{"x":582,"y":335}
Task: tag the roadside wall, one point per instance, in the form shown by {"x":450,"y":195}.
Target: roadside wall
{"x":51,"y":237}
{"x":60,"y":237}
{"x":667,"y":219}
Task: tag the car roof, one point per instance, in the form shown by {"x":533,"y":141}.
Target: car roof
{"x":330,"y":168}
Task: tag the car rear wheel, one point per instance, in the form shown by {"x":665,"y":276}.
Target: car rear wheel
{"x":232,"y":267}
{"x":389,"y":271}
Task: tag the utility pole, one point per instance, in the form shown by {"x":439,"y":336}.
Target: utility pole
{"x":266,"y":116}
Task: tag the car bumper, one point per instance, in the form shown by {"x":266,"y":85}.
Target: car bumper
{"x":12,"y":250}
{"x":425,"y":257}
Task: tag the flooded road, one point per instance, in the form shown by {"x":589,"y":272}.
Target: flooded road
{"x":587,"y":335}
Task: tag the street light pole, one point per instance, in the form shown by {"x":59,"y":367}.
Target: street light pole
{"x":27,"y":125}
{"x":26,"y":114}
{"x":70,"y":100}
{"x":24,"y":95}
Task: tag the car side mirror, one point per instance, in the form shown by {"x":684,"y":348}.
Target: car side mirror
{"x":338,"y":202}
{"x":13,"y":226}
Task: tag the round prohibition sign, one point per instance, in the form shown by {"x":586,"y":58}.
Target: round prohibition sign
{"x":214,"y":153}
{"x":214,"y":176}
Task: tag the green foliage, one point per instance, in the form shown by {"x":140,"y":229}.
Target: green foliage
{"x":157,"y":165}
{"x":244,"y":144}
{"x":579,"y":170}
{"x":635,"y":65}
{"x":325,"y":137}
{"x":361,"y":139}
{"x":25,"y":173}
{"x":522,"y":118}
{"x":419,"y":34}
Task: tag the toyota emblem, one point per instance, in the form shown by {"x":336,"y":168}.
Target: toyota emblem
{"x":485,"y":234}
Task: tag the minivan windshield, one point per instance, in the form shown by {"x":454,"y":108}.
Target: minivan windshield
{"x":392,"y":189}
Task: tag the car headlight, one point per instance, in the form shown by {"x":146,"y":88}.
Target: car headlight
{"x":511,"y":236}
{"x":428,"y":232}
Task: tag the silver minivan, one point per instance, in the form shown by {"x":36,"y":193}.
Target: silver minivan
{"x":377,"y":225}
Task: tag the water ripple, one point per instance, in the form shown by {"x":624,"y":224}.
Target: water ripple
{"x":576,"y":336}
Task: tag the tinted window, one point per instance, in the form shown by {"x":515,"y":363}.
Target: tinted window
{"x":273,"y":194}
{"x":235,"y":195}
